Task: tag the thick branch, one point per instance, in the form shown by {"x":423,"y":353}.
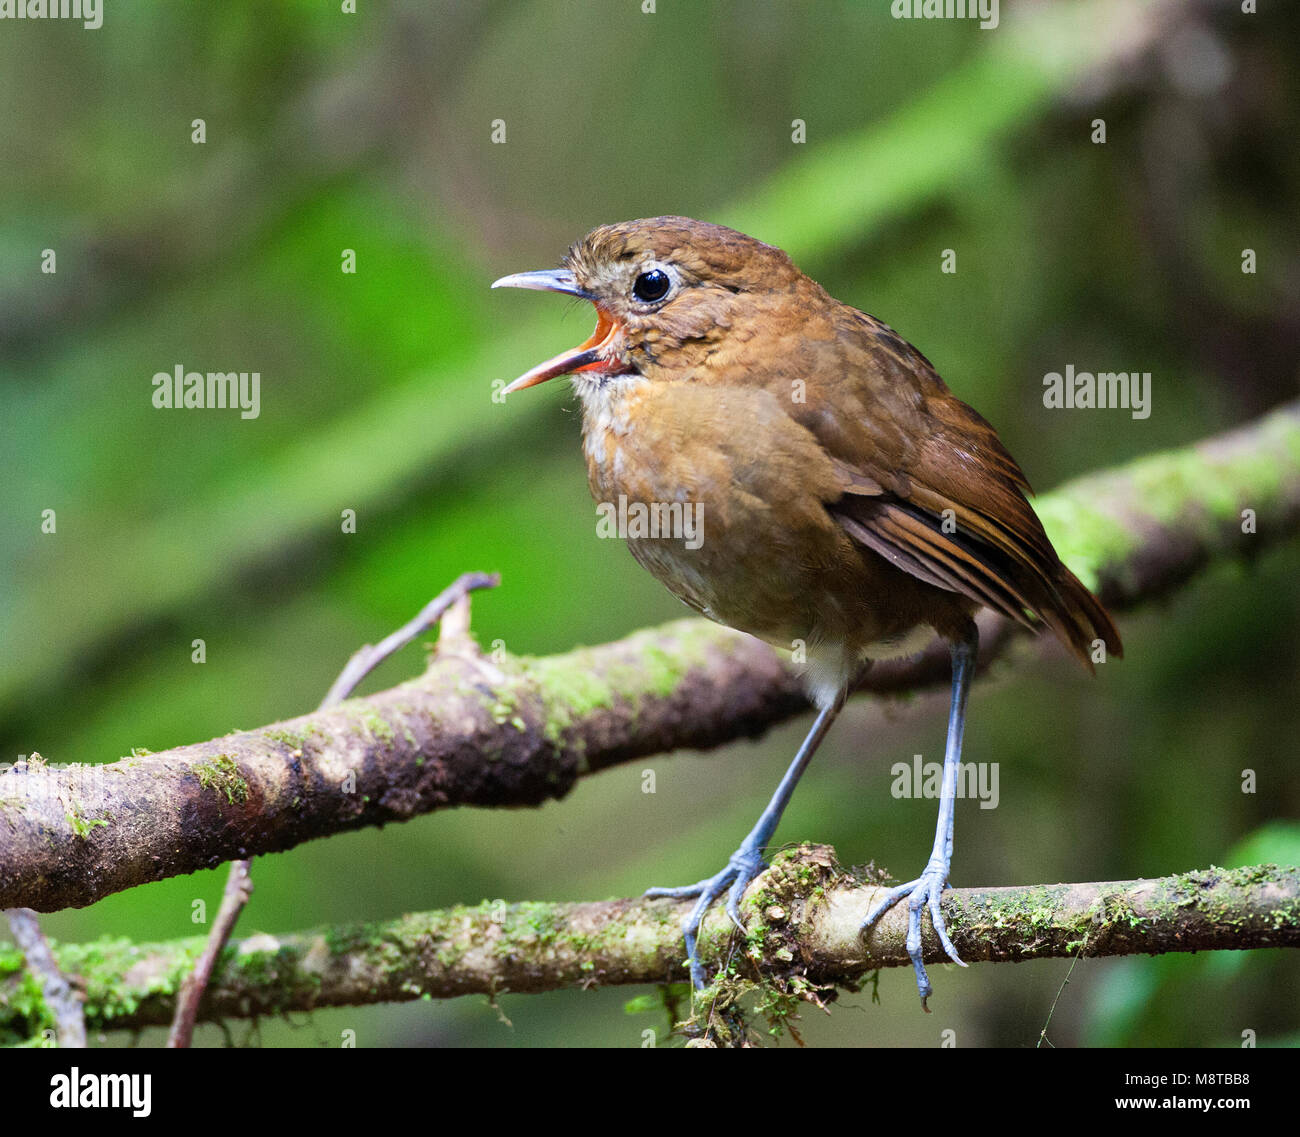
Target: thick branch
{"x":516,"y":730}
{"x":804,"y":916}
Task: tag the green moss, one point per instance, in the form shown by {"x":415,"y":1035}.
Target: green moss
{"x":663,"y":671}
{"x":771,"y":981}
{"x":502,"y":710}
{"x":1090,"y":520}
{"x":101,"y":964}
{"x":1085,"y":536}
{"x":584,"y":682}
{"x":1114,"y":910}
{"x":259,"y":968}
{"x":294,"y":739}
{"x":82,"y":826}
{"x":378,"y":726}
{"x":27,"y":1016}
{"x":222,"y":774}
{"x":570,"y":685}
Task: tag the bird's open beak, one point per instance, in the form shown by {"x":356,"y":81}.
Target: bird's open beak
{"x":602,"y":351}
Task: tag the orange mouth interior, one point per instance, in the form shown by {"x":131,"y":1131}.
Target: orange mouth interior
{"x":590,"y":355}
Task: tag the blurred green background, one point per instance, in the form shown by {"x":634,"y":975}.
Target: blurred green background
{"x":372,"y":132}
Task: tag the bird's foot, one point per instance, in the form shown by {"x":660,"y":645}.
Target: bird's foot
{"x":924,"y":892}
{"x":742,"y":867}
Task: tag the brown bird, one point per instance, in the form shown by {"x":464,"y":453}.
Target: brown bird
{"x":830,"y":492}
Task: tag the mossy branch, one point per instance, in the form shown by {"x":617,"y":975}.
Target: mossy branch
{"x":803,"y":914}
{"x":509,"y":730}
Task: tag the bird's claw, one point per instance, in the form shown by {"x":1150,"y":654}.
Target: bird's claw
{"x":923,"y":892}
{"x":742,"y":867}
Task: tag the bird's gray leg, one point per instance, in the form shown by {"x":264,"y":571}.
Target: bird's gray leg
{"x":747,"y":861}
{"x":925,"y":890}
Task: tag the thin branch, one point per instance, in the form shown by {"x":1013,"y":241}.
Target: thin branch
{"x":367,"y":658}
{"x":517,"y":730}
{"x":239,"y":887}
{"x":804,"y":916}
{"x":60,"y":996}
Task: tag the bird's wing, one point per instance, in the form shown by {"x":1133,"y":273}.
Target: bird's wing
{"x":928,"y":486}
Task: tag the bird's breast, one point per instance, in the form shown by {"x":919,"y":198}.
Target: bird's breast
{"x":609,"y":409}
{"x":722,"y":496}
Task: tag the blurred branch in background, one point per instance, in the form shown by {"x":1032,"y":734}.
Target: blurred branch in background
{"x":58,"y":992}
{"x":516,"y":731}
{"x":804,"y":940}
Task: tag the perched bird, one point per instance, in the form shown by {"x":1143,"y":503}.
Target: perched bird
{"x":847,"y":500}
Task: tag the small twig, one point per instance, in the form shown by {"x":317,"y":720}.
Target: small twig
{"x":453,"y":600}
{"x":368,"y":657}
{"x":453,"y":631}
{"x":239,"y":887}
{"x":60,"y":997}
{"x":1042,"y":1037}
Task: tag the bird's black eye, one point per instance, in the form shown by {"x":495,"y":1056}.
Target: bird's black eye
{"x":651,"y":286}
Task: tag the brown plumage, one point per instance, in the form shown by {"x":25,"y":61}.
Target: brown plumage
{"x":850,"y":503}
{"x":823,"y":448}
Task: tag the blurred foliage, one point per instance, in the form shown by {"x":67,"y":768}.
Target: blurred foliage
{"x":372,"y":132}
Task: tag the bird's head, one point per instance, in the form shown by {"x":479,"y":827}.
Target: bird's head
{"x":665,"y":289}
